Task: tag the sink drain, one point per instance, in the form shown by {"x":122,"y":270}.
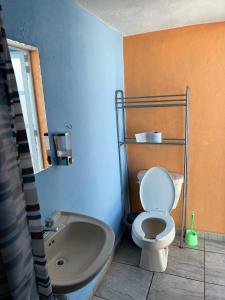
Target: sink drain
{"x":60,"y":262}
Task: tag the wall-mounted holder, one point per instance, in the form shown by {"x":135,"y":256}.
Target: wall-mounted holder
{"x":63,"y":146}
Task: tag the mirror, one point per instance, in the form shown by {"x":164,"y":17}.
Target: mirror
{"x":26,"y":65}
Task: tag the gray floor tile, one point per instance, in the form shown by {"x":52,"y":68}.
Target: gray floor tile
{"x":169,"y":287}
{"x":124,"y":282}
{"x":97,"y":298}
{"x":214,"y":292}
{"x":128,"y":254}
{"x":186,"y":262}
{"x":215,"y":246}
{"x":200,"y":246}
{"x":215,"y":268}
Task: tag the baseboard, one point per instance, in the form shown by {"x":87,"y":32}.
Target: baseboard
{"x":207,"y":235}
{"x":118,"y":241}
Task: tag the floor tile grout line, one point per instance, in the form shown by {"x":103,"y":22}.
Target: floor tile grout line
{"x":217,"y":284}
{"x":200,"y":249}
{"x":210,"y":251}
{"x":186,"y":247}
{"x":189,"y":278}
{"x":101,"y":297}
{"x":125,"y":263}
{"x":136,"y":266}
{"x":172,"y":274}
{"x":150,"y":286}
{"x":203,"y":249}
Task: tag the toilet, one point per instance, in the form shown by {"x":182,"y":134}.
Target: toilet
{"x":154,"y":229}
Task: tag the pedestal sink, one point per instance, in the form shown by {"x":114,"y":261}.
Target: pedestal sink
{"x":78,"y":251}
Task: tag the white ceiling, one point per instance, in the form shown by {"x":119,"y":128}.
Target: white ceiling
{"x":137,"y":16}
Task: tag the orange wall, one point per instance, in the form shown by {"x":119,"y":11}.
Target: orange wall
{"x":165,"y":62}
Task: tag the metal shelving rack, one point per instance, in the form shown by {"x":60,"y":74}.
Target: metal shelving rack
{"x":123,"y":103}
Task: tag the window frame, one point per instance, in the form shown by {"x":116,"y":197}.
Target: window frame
{"x":38,"y":93}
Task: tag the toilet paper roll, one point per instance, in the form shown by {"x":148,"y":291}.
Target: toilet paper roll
{"x":155,"y":137}
{"x":141,"y":137}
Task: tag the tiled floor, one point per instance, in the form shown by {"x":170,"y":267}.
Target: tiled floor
{"x":192,"y":274}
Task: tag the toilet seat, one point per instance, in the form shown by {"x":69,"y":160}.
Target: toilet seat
{"x":166,"y":235}
{"x":157,"y":190}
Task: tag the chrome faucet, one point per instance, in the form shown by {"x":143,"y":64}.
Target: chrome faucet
{"x":50,"y":229}
{"x":49,"y":226}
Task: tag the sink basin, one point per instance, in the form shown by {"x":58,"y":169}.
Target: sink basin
{"x":78,"y":251}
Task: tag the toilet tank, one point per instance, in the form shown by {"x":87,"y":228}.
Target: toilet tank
{"x":178,"y":180}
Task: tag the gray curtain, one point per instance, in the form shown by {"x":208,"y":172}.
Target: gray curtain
{"x":23,"y":272}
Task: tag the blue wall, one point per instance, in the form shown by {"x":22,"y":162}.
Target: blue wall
{"x":82,"y":66}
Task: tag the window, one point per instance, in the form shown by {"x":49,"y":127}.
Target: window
{"x":25,"y":61}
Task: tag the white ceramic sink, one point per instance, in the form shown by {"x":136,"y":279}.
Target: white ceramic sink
{"x":78,"y":251}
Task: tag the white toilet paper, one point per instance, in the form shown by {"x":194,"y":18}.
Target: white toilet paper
{"x":155,"y":137}
{"x":141,"y":137}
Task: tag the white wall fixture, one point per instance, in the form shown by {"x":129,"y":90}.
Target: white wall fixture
{"x":63,"y":146}
{"x":78,"y":251}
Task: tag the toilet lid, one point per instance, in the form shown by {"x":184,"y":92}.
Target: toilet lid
{"x":157,"y":190}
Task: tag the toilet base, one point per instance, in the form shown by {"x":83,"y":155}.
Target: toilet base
{"x":154,"y":260}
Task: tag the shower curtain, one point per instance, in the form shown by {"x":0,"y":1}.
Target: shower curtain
{"x":23,"y":272}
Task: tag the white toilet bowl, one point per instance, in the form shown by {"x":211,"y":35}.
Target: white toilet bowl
{"x":154,"y":229}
